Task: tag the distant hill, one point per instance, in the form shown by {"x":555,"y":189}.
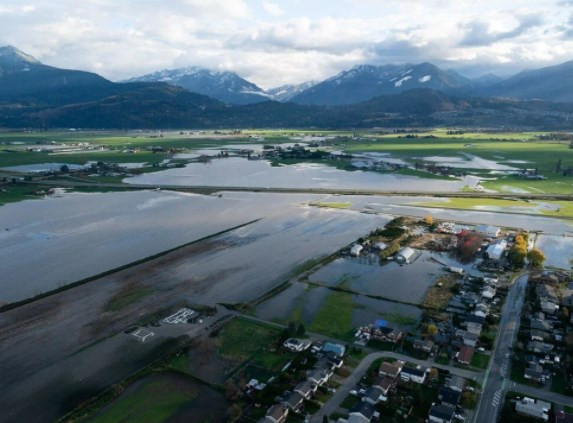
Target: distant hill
{"x":553,"y":83}
{"x":486,"y":80}
{"x":224,"y":86}
{"x":164,"y":106}
{"x":287,"y":92}
{"x":23,"y":79}
{"x":364,"y":82}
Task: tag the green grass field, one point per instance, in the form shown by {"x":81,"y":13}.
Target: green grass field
{"x":542,"y":155}
{"x":334,"y":318}
{"x":241,"y":338}
{"x":564,"y":208}
{"x":154,"y":401}
{"x":480,"y":360}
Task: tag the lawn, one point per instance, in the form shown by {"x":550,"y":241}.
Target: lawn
{"x":334,"y":318}
{"x":241,"y":338}
{"x":480,"y":360}
{"x":152,"y":401}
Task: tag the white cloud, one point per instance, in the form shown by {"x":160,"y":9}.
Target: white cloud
{"x":272,"y":42}
{"x":272,"y":8}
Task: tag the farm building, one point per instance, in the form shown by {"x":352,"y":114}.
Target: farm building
{"x":356,"y":250}
{"x":405,"y":255}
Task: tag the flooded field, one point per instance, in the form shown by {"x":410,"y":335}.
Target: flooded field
{"x":557,"y":249}
{"x":236,"y":171}
{"x":304,"y":303}
{"x":407,"y":283}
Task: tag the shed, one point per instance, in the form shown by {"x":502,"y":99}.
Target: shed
{"x":488,"y":230}
{"x":405,"y":255}
{"x":356,"y":250}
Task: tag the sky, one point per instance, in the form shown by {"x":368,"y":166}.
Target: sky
{"x":274,"y":42}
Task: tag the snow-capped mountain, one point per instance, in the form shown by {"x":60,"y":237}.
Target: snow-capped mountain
{"x":222,"y":85}
{"x":366,"y":81}
{"x":286,"y":92}
{"x":14,"y":60}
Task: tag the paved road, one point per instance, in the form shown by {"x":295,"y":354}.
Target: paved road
{"x":497,"y":374}
{"x":350,"y":382}
{"x":198,"y":188}
{"x":542,"y":394}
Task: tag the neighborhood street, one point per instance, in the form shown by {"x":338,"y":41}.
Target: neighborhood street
{"x":497,"y":373}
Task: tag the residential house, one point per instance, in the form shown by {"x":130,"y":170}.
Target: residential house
{"x":481,"y":310}
{"x":473,"y":318}
{"x":533,"y":408}
{"x":414,"y":374}
{"x":293,"y":401}
{"x":374,"y":395}
{"x":495,"y":251}
{"x":390,"y":369}
{"x":334,"y":360}
{"x":549,"y":307}
{"x":277,"y":413}
{"x":337,"y":349}
{"x":384,"y":384}
{"x":539,"y":347}
{"x":425,"y":345}
{"x":543,"y":325}
{"x":441,"y":413}
{"x":538,"y":335}
{"x":488,"y":292}
{"x":449,"y":396}
{"x":474,"y":328}
{"x":306,"y":389}
{"x":536,"y":373}
{"x":470,"y":339}
{"x":488,"y":230}
{"x":363,"y":410}
{"x":296,"y":345}
{"x":465,"y":355}
{"x":319,"y":376}
{"x":456,"y":383}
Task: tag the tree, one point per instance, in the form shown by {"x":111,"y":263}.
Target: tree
{"x":300,"y":331}
{"x":234,"y":412}
{"x":468,"y":244}
{"x":325,"y":419}
{"x":64,"y":169}
{"x":536,"y":257}
{"x":429,"y":220}
{"x":432,"y":330}
{"x":291,"y":328}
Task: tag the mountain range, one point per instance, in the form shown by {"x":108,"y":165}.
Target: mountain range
{"x":36,"y":95}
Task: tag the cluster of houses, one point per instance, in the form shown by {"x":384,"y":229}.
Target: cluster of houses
{"x":390,"y":374}
{"x":543,"y":326}
{"x":379,"y":331}
{"x":330,"y":357}
{"x":448,"y":408}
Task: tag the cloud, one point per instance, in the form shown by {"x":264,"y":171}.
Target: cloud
{"x":479,"y":33}
{"x":273,"y":42}
{"x":272,"y":9}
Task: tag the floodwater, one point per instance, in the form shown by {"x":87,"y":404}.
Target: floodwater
{"x":45,"y":244}
{"x":407,"y":283}
{"x":306,"y":300}
{"x":240,"y":172}
{"x":42,"y":167}
{"x":558,"y":250}
{"x":469,"y":162}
